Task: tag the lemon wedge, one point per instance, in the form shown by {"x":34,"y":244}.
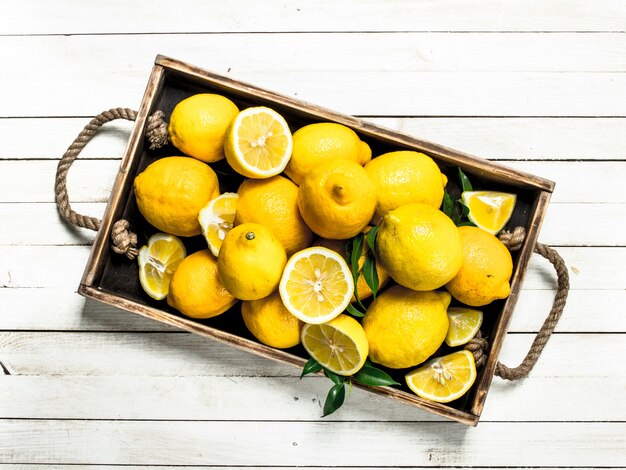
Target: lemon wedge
{"x":463,"y":323}
{"x":316,"y":285}
{"x":258,"y":143}
{"x":444,"y":379}
{"x":157,"y":262}
{"x":339,"y":345}
{"x":217,"y":219}
{"x":489,"y":210}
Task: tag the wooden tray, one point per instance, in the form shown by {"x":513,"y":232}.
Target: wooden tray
{"x":112,"y":279}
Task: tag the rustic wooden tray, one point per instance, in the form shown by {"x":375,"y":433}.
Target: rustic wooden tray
{"x":112,"y":279}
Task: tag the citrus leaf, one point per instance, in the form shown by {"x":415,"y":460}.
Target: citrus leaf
{"x":311,"y":367}
{"x":337,"y":379}
{"x":465,"y":182}
{"x":466,"y":223}
{"x":354,"y":311}
{"x":369,"y":375}
{"x":447,"y":206}
{"x":370,"y":274}
{"x":334,"y":399}
{"x":355,"y":255}
{"x":370,"y":238}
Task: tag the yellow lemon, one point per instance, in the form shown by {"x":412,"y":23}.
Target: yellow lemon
{"x":316,"y":285}
{"x":444,"y":379}
{"x":362,"y":289}
{"x":273,"y":202}
{"x":171,"y":191}
{"x":419,"y":246}
{"x":404,"y":177}
{"x":489,"y":210}
{"x":251,"y":262}
{"x":337,"y":199}
{"x":339,"y":345}
{"x":405,"y":327}
{"x":486,"y":271}
{"x":258,"y":143}
{"x":317,"y":143}
{"x":198,"y":125}
{"x":270,"y":322}
{"x":157,"y":262}
{"x":216,"y":220}
{"x":464,"y":325}
{"x":196,"y":289}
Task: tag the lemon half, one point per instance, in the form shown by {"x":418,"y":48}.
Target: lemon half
{"x":157,"y":262}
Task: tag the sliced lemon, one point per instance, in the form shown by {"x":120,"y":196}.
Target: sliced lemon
{"x":157,"y":262}
{"x":217,"y":219}
{"x":444,"y":379}
{"x":489,"y":210}
{"x":258,"y":143}
{"x":316,"y":285}
{"x":463,"y":323}
{"x":339,"y":345}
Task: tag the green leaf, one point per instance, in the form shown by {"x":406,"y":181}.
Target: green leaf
{"x":370,"y":375}
{"x":334,"y":399}
{"x":465,"y":182}
{"x":370,"y":238}
{"x":352,"y":310}
{"x":447,"y":206}
{"x":370,"y":274}
{"x":466,"y":223}
{"x":464,"y":209}
{"x":311,"y":367}
{"x":337,"y":379}
{"x":355,"y":255}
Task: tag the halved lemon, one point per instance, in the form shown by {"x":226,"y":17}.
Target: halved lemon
{"x":258,"y":143}
{"x":316,"y":285}
{"x":489,"y":210}
{"x":157,"y":262}
{"x":217,"y":219}
{"x":339,"y":345}
{"x":463,"y":323}
{"x":444,"y":379}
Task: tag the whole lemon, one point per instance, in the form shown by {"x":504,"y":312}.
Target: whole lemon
{"x":316,"y":143}
{"x":198,"y":125}
{"x":273,"y":202}
{"x":337,"y":199}
{"x":171,"y":191}
{"x":361,"y":287}
{"x":405,"y":327}
{"x":270,"y":322}
{"x":251,"y":262}
{"x":419,"y":246}
{"x":486,"y":270}
{"x":196,"y":289}
{"x":405,"y":177}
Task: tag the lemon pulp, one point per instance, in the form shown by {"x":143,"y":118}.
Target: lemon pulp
{"x":489,"y":210}
{"x":217,"y":219}
{"x":157,"y":262}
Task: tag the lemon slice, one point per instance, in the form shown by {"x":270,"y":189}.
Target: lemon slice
{"x":489,"y":210}
{"x":258,"y":143}
{"x":316,"y":285}
{"x":157,"y":262}
{"x":444,"y":379}
{"x":339,"y":345}
{"x":464,"y":323}
{"x":217,"y":219}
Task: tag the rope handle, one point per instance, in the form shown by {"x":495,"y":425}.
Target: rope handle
{"x":124,"y":241}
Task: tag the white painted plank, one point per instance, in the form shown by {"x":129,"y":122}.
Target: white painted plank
{"x":562,"y":225}
{"x":287,"y":399}
{"x":181,"y":354}
{"x":62,"y":266}
{"x":66,"y":310}
{"x":274,"y":444}
{"x":355,"y":74}
{"x":91,"y":180}
{"x":493,"y":138}
{"x":118,"y":16}
{"x":229,"y":467}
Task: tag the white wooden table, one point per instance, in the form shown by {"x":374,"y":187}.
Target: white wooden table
{"x":539,"y":85}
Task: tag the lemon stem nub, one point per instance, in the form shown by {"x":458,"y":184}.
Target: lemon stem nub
{"x":250,"y":236}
